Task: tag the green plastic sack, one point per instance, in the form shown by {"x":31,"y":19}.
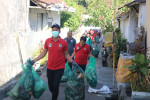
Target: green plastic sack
{"x":95,"y":51}
{"x":39,"y":86}
{"x":97,"y":40}
{"x":75,"y":88}
{"x":29,"y":84}
{"x":66,"y":74}
{"x":25,"y":86}
{"x":90,"y":73}
{"x":89,"y":41}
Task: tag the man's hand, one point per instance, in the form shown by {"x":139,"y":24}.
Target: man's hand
{"x":32,"y":62}
{"x":74,"y":63}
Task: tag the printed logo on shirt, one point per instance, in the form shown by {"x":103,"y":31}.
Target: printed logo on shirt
{"x":84,"y":48}
{"x":60,"y":45}
{"x":71,"y":40}
{"x":77,"y":47}
{"x":50,"y":45}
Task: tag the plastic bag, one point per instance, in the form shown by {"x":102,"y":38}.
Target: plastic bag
{"x":24,"y":87}
{"x":75,"y":88}
{"x":90,"y":73}
{"x":39,"y":86}
{"x":97,"y":40}
{"x":66,"y":74}
{"x":95,"y":51}
{"x":29,"y":84}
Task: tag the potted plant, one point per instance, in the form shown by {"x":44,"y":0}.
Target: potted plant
{"x":139,"y":77}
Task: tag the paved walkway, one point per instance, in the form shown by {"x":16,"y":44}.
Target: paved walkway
{"x":104,"y":76}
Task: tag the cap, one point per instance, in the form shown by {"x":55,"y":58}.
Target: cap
{"x":56,"y":25}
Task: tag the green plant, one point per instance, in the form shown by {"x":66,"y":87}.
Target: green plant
{"x":120,"y":44}
{"x":36,"y":52}
{"x":139,"y":71}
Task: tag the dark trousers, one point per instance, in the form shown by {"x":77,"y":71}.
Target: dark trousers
{"x":54,"y":77}
{"x":83,"y":67}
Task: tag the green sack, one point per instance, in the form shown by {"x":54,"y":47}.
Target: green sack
{"x":66,"y":74}
{"x":90,"y":73}
{"x":75,"y":88}
{"x":97,"y":40}
{"x":39,"y":86}
{"x":95,"y":51}
{"x":29,"y":84}
{"x":25,"y":86}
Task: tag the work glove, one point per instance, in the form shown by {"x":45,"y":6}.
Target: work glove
{"x":32,"y":62}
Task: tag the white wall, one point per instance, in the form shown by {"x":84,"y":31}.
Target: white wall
{"x":142,"y":12}
{"x":124,"y":26}
{"x":13,"y":19}
{"x":39,"y":30}
{"x":132,"y":26}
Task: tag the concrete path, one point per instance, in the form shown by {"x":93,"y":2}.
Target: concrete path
{"x":104,"y":76}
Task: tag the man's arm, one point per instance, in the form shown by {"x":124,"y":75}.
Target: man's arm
{"x":69,"y":59}
{"x":42,"y":54}
{"x":74,"y":53}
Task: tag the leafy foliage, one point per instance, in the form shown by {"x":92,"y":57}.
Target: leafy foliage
{"x":102,"y":11}
{"x":36,"y":53}
{"x":73,"y":20}
{"x":139,"y":72}
{"x":120,"y":44}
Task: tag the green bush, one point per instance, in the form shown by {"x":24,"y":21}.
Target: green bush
{"x":36,"y":53}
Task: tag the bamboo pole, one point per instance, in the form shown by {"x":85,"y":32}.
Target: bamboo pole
{"x":113,"y":51}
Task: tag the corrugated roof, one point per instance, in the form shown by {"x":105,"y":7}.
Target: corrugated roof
{"x":53,"y":4}
{"x":122,"y":14}
{"x":133,"y":2}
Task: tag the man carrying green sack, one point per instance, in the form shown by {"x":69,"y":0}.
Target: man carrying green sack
{"x":57,"y":49}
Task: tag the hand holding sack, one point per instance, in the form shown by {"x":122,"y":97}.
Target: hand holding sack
{"x":66,"y":74}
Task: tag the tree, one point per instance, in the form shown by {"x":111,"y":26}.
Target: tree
{"x":73,"y":20}
{"x":102,"y":12}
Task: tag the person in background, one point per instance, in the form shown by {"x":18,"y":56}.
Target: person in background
{"x":88,"y":40}
{"x":57,"y":50}
{"x":81,"y":53}
{"x":71,"y":44}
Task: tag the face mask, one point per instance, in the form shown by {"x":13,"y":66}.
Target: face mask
{"x":55,"y":33}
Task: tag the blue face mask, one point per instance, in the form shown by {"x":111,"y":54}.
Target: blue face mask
{"x":55,"y":33}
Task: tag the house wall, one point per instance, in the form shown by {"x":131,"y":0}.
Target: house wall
{"x":133,"y":23}
{"x":13,"y":19}
{"x":39,"y":30}
{"x":124,"y":22}
{"x":148,"y":23}
{"x":141,"y":18}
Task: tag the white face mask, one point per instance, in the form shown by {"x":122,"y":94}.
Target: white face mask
{"x":55,"y":33}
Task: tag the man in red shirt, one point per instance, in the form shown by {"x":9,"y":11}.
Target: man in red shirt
{"x":57,"y":49}
{"x":81,"y":53}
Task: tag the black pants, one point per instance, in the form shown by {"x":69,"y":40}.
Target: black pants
{"x":83,"y":67}
{"x":54,"y":77}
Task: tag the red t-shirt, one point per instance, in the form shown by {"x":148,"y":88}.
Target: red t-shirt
{"x":81,"y":55}
{"x":56,"y":58}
